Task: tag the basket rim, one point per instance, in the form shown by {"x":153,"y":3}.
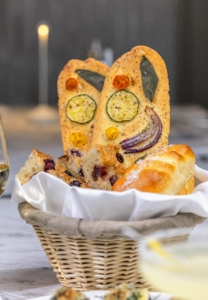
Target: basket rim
{"x":99,"y":229}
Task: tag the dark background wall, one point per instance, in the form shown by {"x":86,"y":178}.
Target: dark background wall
{"x":177,"y":29}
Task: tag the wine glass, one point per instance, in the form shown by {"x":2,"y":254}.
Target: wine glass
{"x":4,"y":161}
{"x":180,"y":267}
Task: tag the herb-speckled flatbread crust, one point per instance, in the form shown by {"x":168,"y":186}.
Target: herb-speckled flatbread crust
{"x":129,"y":65}
{"x":69,"y":70}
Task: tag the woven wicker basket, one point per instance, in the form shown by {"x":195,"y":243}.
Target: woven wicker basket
{"x":94,"y":255}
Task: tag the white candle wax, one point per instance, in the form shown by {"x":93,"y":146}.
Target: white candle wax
{"x":43,"y":32}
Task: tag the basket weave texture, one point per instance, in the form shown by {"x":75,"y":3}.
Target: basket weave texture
{"x":95,"y":255}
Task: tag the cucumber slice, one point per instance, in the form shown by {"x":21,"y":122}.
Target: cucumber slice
{"x":122,"y":106}
{"x":81,"y":109}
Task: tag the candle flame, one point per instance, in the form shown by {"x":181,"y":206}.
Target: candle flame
{"x":43,"y":30}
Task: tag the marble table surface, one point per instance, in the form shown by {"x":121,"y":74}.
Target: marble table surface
{"x":25,"y":271}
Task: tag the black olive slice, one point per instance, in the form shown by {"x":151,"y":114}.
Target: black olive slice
{"x":93,"y":78}
{"x":149,"y":78}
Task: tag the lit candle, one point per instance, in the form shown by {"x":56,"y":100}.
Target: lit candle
{"x":43,"y":32}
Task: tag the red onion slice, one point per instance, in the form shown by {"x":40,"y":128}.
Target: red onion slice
{"x":146,"y":134}
{"x":152,"y":133}
{"x":150,"y":143}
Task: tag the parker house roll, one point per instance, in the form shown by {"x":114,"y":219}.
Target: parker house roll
{"x":134,"y":108}
{"x":168,"y":170}
{"x":79,"y":86}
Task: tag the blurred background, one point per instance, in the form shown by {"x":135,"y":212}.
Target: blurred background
{"x":104,"y":29}
{"x":177,"y":29}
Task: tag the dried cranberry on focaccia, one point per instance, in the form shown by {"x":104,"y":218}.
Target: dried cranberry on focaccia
{"x":102,"y":165}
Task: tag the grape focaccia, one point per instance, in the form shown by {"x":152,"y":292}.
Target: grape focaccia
{"x":134,"y":108}
{"x":79,"y":86}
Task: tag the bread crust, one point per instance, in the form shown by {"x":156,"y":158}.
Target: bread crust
{"x":33,"y":165}
{"x":84,"y":88}
{"x":68,"y":179}
{"x":129,"y":65}
{"x":168,"y":170}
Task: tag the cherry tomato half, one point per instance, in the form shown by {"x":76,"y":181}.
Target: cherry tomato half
{"x":120,"y":82}
{"x":71,"y":84}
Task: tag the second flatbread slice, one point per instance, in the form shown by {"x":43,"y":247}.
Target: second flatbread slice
{"x":134,"y":109}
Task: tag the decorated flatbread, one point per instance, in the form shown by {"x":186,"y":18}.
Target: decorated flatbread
{"x":134,"y":107}
{"x":79,"y":86}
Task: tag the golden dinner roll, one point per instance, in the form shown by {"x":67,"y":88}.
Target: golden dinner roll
{"x":169,"y":170}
